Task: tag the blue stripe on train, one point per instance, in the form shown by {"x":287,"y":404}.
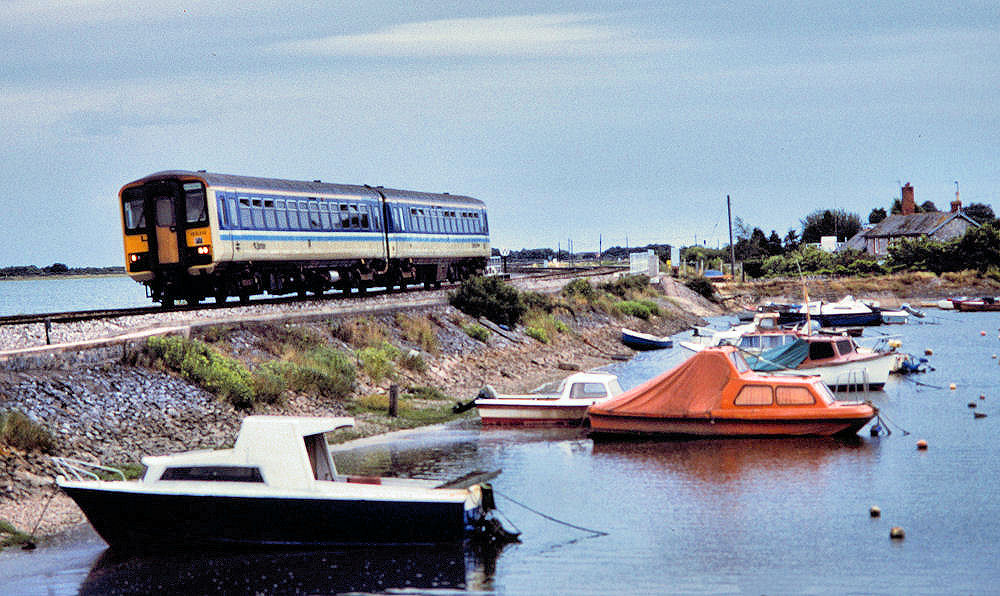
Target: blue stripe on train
{"x":337,"y":237}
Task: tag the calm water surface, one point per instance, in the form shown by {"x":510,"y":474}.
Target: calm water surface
{"x":751,"y":516}
{"x":72,"y":293}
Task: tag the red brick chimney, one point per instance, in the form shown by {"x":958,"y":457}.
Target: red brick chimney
{"x":908,"y":206}
{"x":956,"y":205}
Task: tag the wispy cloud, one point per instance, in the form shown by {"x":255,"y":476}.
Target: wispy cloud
{"x":542,"y":35}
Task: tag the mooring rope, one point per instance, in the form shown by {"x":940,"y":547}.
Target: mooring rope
{"x":549,"y":517}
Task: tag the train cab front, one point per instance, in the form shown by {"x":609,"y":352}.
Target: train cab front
{"x":167,"y":236}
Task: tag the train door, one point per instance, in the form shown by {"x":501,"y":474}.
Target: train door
{"x":164,"y":198}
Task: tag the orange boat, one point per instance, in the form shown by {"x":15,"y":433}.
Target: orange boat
{"x":716,"y":394}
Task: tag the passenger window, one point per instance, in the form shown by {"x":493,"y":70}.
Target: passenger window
{"x":364,"y":218}
{"x":355,"y":221}
{"x":303,"y":215}
{"x":270,"y":221}
{"x":754,"y":395}
{"x":234,"y":216}
{"x":258,"y":214}
{"x":245,"y":220}
{"x":794,"y":396}
{"x":314,"y":219}
{"x":293,"y":216}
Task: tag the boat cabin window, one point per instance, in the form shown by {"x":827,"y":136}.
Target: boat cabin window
{"x":587,"y":390}
{"x":819,"y":350}
{"x":794,"y":396}
{"x":738,"y":361}
{"x":824,"y":392}
{"x":754,"y":395}
{"x":750,"y":341}
{"x":319,"y":457}
{"x":213,"y":474}
{"x":845,"y":346}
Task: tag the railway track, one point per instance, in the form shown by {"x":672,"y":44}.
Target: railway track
{"x":528,"y":274}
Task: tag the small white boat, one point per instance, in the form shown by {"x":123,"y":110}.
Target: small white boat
{"x":566,"y":407}
{"x":895,"y":317}
{"x":277,"y":486}
{"x":836,"y":359}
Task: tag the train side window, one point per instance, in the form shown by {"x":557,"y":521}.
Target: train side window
{"x":324,"y":216}
{"x":314,"y":218}
{"x":270,"y":219}
{"x":345,"y":217}
{"x":303,"y":215}
{"x":280,"y":215}
{"x":233,"y":215}
{"x":245,"y":220}
{"x":258,"y":214}
{"x":364,"y":223}
{"x":293,"y":215}
{"x":355,"y":221}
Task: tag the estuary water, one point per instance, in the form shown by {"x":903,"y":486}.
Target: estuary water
{"x":747,"y":516}
{"x":31,"y":296}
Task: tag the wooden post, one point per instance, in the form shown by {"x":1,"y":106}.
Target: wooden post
{"x":48,"y":328}
{"x":393,"y":400}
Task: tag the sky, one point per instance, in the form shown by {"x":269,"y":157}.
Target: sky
{"x":596,"y":123}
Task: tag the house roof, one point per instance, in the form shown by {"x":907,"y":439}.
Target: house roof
{"x":918,"y":224}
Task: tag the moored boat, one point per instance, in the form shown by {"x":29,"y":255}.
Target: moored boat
{"x":277,"y":486}
{"x":645,"y":341}
{"x":836,"y":359}
{"x":716,"y":394}
{"x":985,"y":303}
{"x":566,"y":407}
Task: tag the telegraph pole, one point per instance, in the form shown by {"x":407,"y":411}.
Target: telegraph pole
{"x":732,"y":247}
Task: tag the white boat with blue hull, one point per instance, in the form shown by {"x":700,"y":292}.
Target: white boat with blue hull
{"x":277,"y":486}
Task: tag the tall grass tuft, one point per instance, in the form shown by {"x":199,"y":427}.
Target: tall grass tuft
{"x":223,"y":376}
{"x":19,"y":431}
{"x":419,"y":331}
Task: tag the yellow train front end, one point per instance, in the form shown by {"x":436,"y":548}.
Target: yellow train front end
{"x":167,"y":235}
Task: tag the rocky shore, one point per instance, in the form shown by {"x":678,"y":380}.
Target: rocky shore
{"x":101,"y":409}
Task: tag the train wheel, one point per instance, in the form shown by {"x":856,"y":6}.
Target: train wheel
{"x":244,"y":298}
{"x":167,"y":303}
{"x":220,"y":298}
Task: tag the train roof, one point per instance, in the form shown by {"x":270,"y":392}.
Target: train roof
{"x":315,"y":187}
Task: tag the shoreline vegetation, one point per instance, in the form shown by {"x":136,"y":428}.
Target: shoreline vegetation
{"x":436,"y":356}
{"x":57,"y":271}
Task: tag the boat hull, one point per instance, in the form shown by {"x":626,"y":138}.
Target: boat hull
{"x":644,"y":342}
{"x":532,"y":414}
{"x":604,"y":425}
{"x":977,"y":306}
{"x":137,"y":520}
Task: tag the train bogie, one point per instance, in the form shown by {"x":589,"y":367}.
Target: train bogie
{"x":191,"y":235}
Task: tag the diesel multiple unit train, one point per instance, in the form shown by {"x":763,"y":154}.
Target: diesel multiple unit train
{"x":192,"y":235}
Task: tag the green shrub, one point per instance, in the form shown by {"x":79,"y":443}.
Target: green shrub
{"x":633,"y":309}
{"x":537,"y":301}
{"x":476,"y":331}
{"x":580,"y":288}
{"x":11,"y":536}
{"x":19,"y":431}
{"x":269,"y":382}
{"x":377,"y":362}
{"x":225,"y":377}
{"x":489,"y":297}
{"x":426,"y":393}
{"x":537,"y":333}
{"x":701,"y":286}
{"x":324,"y":370}
{"x":627,"y":285}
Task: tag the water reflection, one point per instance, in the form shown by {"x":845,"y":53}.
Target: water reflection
{"x":720,"y":461}
{"x":362,"y":569}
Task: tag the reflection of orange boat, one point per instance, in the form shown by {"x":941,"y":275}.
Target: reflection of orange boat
{"x":715,"y":394}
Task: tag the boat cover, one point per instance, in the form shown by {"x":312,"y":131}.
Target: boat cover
{"x":779,"y":358}
{"x":693,"y":388}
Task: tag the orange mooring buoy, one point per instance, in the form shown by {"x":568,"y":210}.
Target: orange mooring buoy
{"x":983,"y":333}
{"x":928,"y":352}
{"x":922,"y":444}
{"x":875,"y":511}
{"x":952,"y":386}
{"x":897,"y":533}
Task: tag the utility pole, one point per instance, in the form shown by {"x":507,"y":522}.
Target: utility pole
{"x":732,"y":247}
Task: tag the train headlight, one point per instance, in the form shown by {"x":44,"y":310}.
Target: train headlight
{"x":203,"y":250}
{"x":133,"y":258}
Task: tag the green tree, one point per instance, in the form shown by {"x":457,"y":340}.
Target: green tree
{"x":980,"y":212}
{"x":829,"y":222}
{"x":928,"y":207}
{"x":877,"y":215}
